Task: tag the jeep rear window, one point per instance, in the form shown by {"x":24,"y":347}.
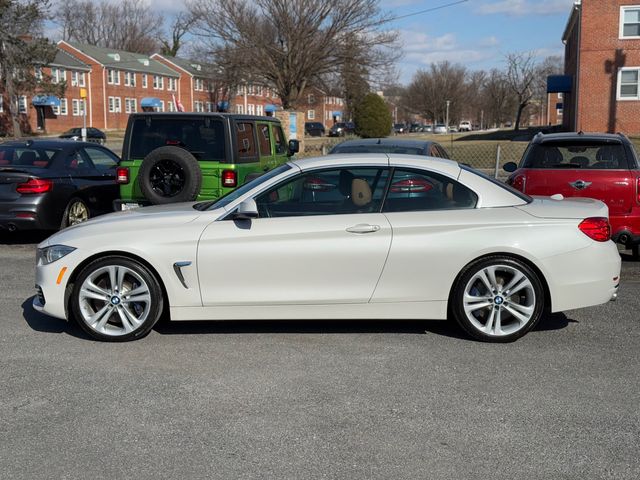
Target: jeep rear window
{"x":203,"y":137}
{"x":587,"y":154}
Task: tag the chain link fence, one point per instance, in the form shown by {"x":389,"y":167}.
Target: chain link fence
{"x":488,"y":156}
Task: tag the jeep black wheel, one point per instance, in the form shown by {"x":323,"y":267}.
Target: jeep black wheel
{"x":170,"y":174}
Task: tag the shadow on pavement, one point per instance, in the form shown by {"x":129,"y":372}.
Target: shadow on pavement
{"x":553,"y":321}
{"x":46,"y":324}
{"x":23,"y":238}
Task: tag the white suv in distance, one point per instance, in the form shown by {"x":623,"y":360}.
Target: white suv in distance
{"x":464,"y":126}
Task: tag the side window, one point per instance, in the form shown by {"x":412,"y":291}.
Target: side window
{"x":76,"y":161}
{"x":418,"y":190}
{"x":245,"y":140}
{"x":433,"y":151}
{"x":264,"y":140}
{"x":326,"y":192}
{"x":101,"y":159}
{"x":443,"y":152}
{"x":278,"y":136}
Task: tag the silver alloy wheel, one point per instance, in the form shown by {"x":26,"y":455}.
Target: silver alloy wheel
{"x":77,"y":213}
{"x":499,"y":300}
{"x":114,"y":300}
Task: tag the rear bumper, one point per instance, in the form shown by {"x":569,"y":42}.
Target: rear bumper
{"x":625,"y":229}
{"x":584,"y":278}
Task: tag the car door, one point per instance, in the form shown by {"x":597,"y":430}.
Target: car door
{"x":428,"y":213}
{"x":320,"y":239}
{"x":94,"y":170}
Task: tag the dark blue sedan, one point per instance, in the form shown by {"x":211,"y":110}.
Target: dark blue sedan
{"x":51,"y":184}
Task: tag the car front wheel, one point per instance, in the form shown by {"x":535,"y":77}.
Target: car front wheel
{"x":497,"y":299}
{"x":116,"y":299}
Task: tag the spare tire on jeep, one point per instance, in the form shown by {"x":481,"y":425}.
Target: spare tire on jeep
{"x":170,"y":174}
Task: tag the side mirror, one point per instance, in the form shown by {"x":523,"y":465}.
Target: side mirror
{"x":510,"y":167}
{"x":294,"y":147}
{"x":246,"y":210}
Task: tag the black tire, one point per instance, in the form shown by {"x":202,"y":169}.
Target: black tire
{"x":170,"y":175}
{"x":532,"y":298}
{"x":69,"y":212}
{"x":113,"y":330}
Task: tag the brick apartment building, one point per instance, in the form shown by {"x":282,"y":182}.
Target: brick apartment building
{"x":602,"y":67}
{"x":321,"y":107}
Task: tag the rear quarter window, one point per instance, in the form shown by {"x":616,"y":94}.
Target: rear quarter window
{"x":590,"y":155}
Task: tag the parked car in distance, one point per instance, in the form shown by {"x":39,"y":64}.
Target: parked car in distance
{"x":594,"y":165}
{"x":399,"y":128}
{"x":440,"y":128}
{"x":314,"y":129}
{"x":465,"y":126}
{"x":50,"y":184}
{"x":377,"y":236}
{"x":93,"y":135}
{"x":391,"y":145}
{"x":416,"y":127}
{"x":340,"y":129}
{"x":428,"y":129}
{"x":180,"y":157}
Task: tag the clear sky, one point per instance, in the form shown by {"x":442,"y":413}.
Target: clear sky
{"x":477,"y":33}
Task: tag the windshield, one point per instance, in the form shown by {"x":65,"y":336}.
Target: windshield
{"x":26,"y":157}
{"x":231,"y":196}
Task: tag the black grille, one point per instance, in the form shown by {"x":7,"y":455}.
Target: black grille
{"x":40,"y":295}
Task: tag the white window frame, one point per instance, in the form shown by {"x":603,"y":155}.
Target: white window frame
{"x":260,"y":110}
{"x":240,"y":108}
{"x":619,"y":96}
{"x":251,"y":109}
{"x":129,"y":79}
{"x":1,"y":103}
{"x":62,"y":109}
{"x":311,"y":114}
{"x":144,"y":80}
{"x":38,"y":73}
{"x":624,"y":9}
{"x":81,"y":79}
{"x":22,"y":104}
{"x":76,"y":107}
{"x":161,"y":109}
{"x":74,"y":79}
{"x":115,"y":105}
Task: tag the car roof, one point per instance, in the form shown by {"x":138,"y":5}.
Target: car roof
{"x":592,"y":136}
{"x":237,"y":116}
{"x":363,"y":142}
{"x":47,"y":143}
{"x":441,"y":165}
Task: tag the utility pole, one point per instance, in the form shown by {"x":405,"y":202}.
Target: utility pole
{"x":83,"y":96}
{"x":447,"y":120}
{"x":481,"y":119}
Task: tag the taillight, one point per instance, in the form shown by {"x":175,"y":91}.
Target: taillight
{"x":34,"y":185}
{"x":229,"y":178}
{"x":411,"y":185}
{"x":596,"y":228}
{"x":519,"y":182}
{"x":317,"y":184}
{"x":122,"y":175}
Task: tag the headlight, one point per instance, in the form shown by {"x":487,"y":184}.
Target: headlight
{"x":48,"y":255}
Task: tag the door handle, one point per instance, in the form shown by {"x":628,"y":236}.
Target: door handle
{"x":363,"y":228}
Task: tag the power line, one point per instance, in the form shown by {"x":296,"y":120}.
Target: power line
{"x":432,"y":9}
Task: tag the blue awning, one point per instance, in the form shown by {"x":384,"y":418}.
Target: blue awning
{"x":269,"y":108}
{"x":150,"y":102}
{"x":223,"y":106}
{"x":336,"y":114}
{"x":559,"y":83}
{"x":45,"y":101}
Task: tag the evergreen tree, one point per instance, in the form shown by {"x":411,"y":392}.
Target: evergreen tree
{"x":372,"y":117}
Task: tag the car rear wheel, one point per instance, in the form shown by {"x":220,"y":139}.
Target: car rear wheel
{"x":76,"y":212}
{"x":497,"y":299}
{"x":116,"y":299}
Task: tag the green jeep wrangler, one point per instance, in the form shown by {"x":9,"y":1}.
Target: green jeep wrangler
{"x":180,"y":157}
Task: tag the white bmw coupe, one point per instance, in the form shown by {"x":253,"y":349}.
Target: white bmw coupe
{"x":339,"y":237}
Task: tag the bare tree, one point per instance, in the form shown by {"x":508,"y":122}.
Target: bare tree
{"x":129,"y":25}
{"x":496,"y":96}
{"x":291,"y":43}
{"x":22,"y":52}
{"x":552,"y":65}
{"x":179,"y":28}
{"x":521,"y":77}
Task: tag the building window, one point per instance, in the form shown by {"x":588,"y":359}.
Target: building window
{"x":311,"y":114}
{"x":62,"y":109}
{"x":38,"y":74}
{"x":170,"y":106}
{"x":199,"y":106}
{"x":77,"y":107}
{"x":115,"y":105}
{"x":158,"y":82}
{"x":311,"y":99}
{"x":1,"y":104}
{"x":560,"y":96}
{"x":144,"y":80}
{"x":628,"y":84}
{"x":74,"y":79}
{"x":210,"y":107}
{"x":630,"y":22}
{"x":58,"y":75}
{"x":161,"y":107}
{"x":259,"y":110}
{"x":22,"y":104}
{"x":251,"y":109}
{"x":113,"y":77}
{"x":239,"y":109}
{"x":172,"y":84}
{"x":199,"y":84}
{"x":130,"y":105}
{"x":129,"y":79}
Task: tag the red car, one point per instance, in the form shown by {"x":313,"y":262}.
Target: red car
{"x":596,"y":165}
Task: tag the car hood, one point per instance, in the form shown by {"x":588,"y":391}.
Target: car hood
{"x":160,"y":217}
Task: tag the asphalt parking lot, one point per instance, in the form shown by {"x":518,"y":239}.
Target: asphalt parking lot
{"x":311,"y":400}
